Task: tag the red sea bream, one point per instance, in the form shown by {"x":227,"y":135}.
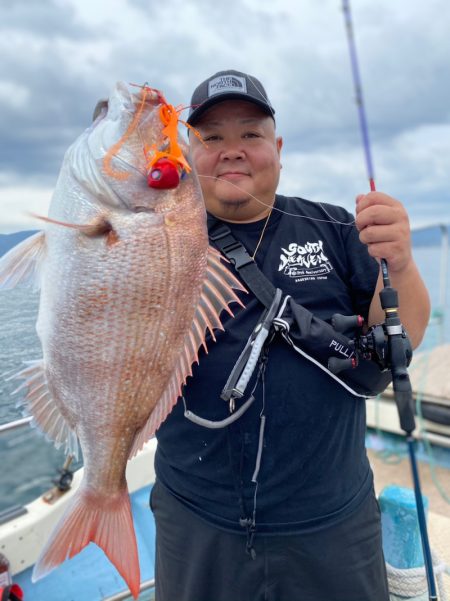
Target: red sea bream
{"x":129,"y":287}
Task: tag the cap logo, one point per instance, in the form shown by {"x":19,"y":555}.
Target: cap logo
{"x":227,"y":83}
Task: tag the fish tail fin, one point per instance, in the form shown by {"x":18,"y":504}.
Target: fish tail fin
{"x":109,"y":524}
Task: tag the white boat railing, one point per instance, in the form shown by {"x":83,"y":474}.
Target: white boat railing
{"x":15,"y":425}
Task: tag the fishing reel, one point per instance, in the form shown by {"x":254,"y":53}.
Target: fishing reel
{"x":371,"y":345}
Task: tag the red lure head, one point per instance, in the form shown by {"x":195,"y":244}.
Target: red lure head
{"x":167,"y":165}
{"x":163,"y":174}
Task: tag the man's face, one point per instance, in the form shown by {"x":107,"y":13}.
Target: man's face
{"x":239,"y":168}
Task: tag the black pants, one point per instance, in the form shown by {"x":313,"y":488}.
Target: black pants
{"x":198,"y":562}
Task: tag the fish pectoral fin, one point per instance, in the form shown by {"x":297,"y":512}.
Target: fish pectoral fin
{"x":21,"y":265}
{"x":39,"y":403}
{"x":100,"y":226}
{"x":88,"y":518}
{"x":217,"y":293}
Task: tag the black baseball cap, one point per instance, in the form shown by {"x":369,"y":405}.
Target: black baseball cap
{"x":228,"y":85}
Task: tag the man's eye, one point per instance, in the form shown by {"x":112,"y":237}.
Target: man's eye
{"x":251,"y":134}
{"x":211,"y":138}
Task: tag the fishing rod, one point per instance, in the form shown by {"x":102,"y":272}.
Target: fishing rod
{"x":393,"y":327}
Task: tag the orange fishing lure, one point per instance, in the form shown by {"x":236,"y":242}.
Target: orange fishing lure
{"x":165,"y":165}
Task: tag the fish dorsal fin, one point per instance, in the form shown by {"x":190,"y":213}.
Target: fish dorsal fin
{"x":22,"y":263}
{"x":217,"y":293}
{"x":41,"y":406}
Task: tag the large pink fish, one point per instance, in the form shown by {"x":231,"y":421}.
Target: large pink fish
{"x":129,"y":287}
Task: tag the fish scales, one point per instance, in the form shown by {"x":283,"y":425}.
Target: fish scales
{"x":129,"y":287}
{"x":111,"y":341}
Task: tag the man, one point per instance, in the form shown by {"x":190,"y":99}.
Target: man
{"x":279,"y":505}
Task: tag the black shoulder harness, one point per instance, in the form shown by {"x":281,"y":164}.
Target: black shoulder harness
{"x":221,"y":237}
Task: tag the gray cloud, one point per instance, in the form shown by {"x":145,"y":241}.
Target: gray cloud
{"x":58,"y":58}
{"x":46,"y":18}
{"x":45,"y":101}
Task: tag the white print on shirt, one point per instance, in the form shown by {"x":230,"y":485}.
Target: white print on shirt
{"x":307,"y":262}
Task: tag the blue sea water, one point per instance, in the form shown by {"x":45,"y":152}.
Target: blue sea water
{"x":29,"y":462}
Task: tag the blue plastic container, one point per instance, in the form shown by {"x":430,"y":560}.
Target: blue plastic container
{"x":402,"y":544}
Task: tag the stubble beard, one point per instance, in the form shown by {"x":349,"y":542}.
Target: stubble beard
{"x":234,"y":206}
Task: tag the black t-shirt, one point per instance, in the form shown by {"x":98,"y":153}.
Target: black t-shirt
{"x":314,"y":469}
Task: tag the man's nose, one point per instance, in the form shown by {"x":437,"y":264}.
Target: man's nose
{"x":232,"y":152}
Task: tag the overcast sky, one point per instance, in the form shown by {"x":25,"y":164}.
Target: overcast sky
{"x":59,"y":56}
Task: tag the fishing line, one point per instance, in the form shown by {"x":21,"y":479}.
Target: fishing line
{"x":138,"y":126}
{"x":331,"y":220}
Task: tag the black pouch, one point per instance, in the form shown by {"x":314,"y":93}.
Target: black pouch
{"x":318,"y":341}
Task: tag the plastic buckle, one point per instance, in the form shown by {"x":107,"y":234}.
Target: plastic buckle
{"x":237,"y":254}
{"x":231,"y":248}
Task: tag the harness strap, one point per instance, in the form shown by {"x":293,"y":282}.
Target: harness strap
{"x":220,"y":235}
